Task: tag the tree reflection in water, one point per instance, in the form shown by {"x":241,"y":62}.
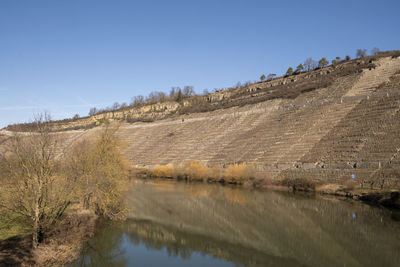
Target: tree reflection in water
{"x":104,"y":249}
{"x":182,"y":224}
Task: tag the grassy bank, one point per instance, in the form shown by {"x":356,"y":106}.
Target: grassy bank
{"x":59,"y":247}
{"x":244,"y":175}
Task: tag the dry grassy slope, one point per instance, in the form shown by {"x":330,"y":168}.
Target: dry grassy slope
{"x":274,"y":135}
{"x":322,"y":128}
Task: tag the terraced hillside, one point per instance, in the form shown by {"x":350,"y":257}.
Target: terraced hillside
{"x":350,"y":126}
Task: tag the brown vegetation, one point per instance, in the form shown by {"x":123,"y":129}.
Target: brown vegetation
{"x":101,"y":174}
{"x":196,"y":171}
{"x":237,"y":173}
{"x":40,"y":183}
{"x":299,"y":184}
{"x":166,"y":171}
{"x":34,"y":188}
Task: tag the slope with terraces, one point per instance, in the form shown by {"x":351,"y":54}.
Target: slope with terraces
{"x":329,"y":129}
{"x":326,"y":129}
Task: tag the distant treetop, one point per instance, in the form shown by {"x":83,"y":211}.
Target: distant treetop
{"x":361,"y":53}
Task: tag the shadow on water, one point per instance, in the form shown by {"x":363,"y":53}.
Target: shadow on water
{"x":178,"y":224}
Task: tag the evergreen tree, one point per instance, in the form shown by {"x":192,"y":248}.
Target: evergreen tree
{"x":289,"y":71}
{"x":179,"y":96}
{"x":323,"y":62}
{"x":299,"y":68}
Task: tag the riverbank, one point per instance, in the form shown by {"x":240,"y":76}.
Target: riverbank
{"x":180,"y":224}
{"x":58,"y":248}
{"x":385,"y":198}
{"x":64,"y":244}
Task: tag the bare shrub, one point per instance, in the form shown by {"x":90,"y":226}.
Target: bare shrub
{"x":361,"y":53}
{"x":196,"y":104}
{"x":301,"y":184}
{"x":164,"y":171}
{"x":137,"y":101}
{"x":197,"y":171}
{"x":237,"y":173}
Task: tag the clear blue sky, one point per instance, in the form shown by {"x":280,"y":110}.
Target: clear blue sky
{"x":67,"y":56}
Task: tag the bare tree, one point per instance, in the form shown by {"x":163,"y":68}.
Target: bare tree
{"x":151,"y":98}
{"x":115,"y":106}
{"x":138,"y":100}
{"x":162,"y":97}
{"x":375,"y":51}
{"x":310,"y":64}
{"x":93,"y":111}
{"x":247,"y":83}
{"x":35,"y":190}
{"x":188,"y":91}
{"x":361,"y":53}
{"x":155,"y":97}
{"x":172,"y":92}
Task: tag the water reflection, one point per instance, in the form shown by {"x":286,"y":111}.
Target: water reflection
{"x":177,"y":224}
{"x":104,"y":249}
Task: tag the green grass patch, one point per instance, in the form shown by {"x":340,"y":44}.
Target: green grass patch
{"x":12,"y":225}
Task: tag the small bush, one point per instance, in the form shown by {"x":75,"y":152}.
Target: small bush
{"x":301,"y":184}
{"x":164,"y":171}
{"x":197,"y":171}
{"x":237,"y":173}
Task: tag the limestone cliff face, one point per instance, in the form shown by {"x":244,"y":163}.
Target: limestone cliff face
{"x":143,"y":113}
{"x":322,"y":130}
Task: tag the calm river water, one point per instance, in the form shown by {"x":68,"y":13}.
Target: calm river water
{"x":178,"y":224}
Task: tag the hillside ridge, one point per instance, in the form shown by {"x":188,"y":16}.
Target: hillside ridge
{"x":348,"y":126}
{"x":287,"y":86}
